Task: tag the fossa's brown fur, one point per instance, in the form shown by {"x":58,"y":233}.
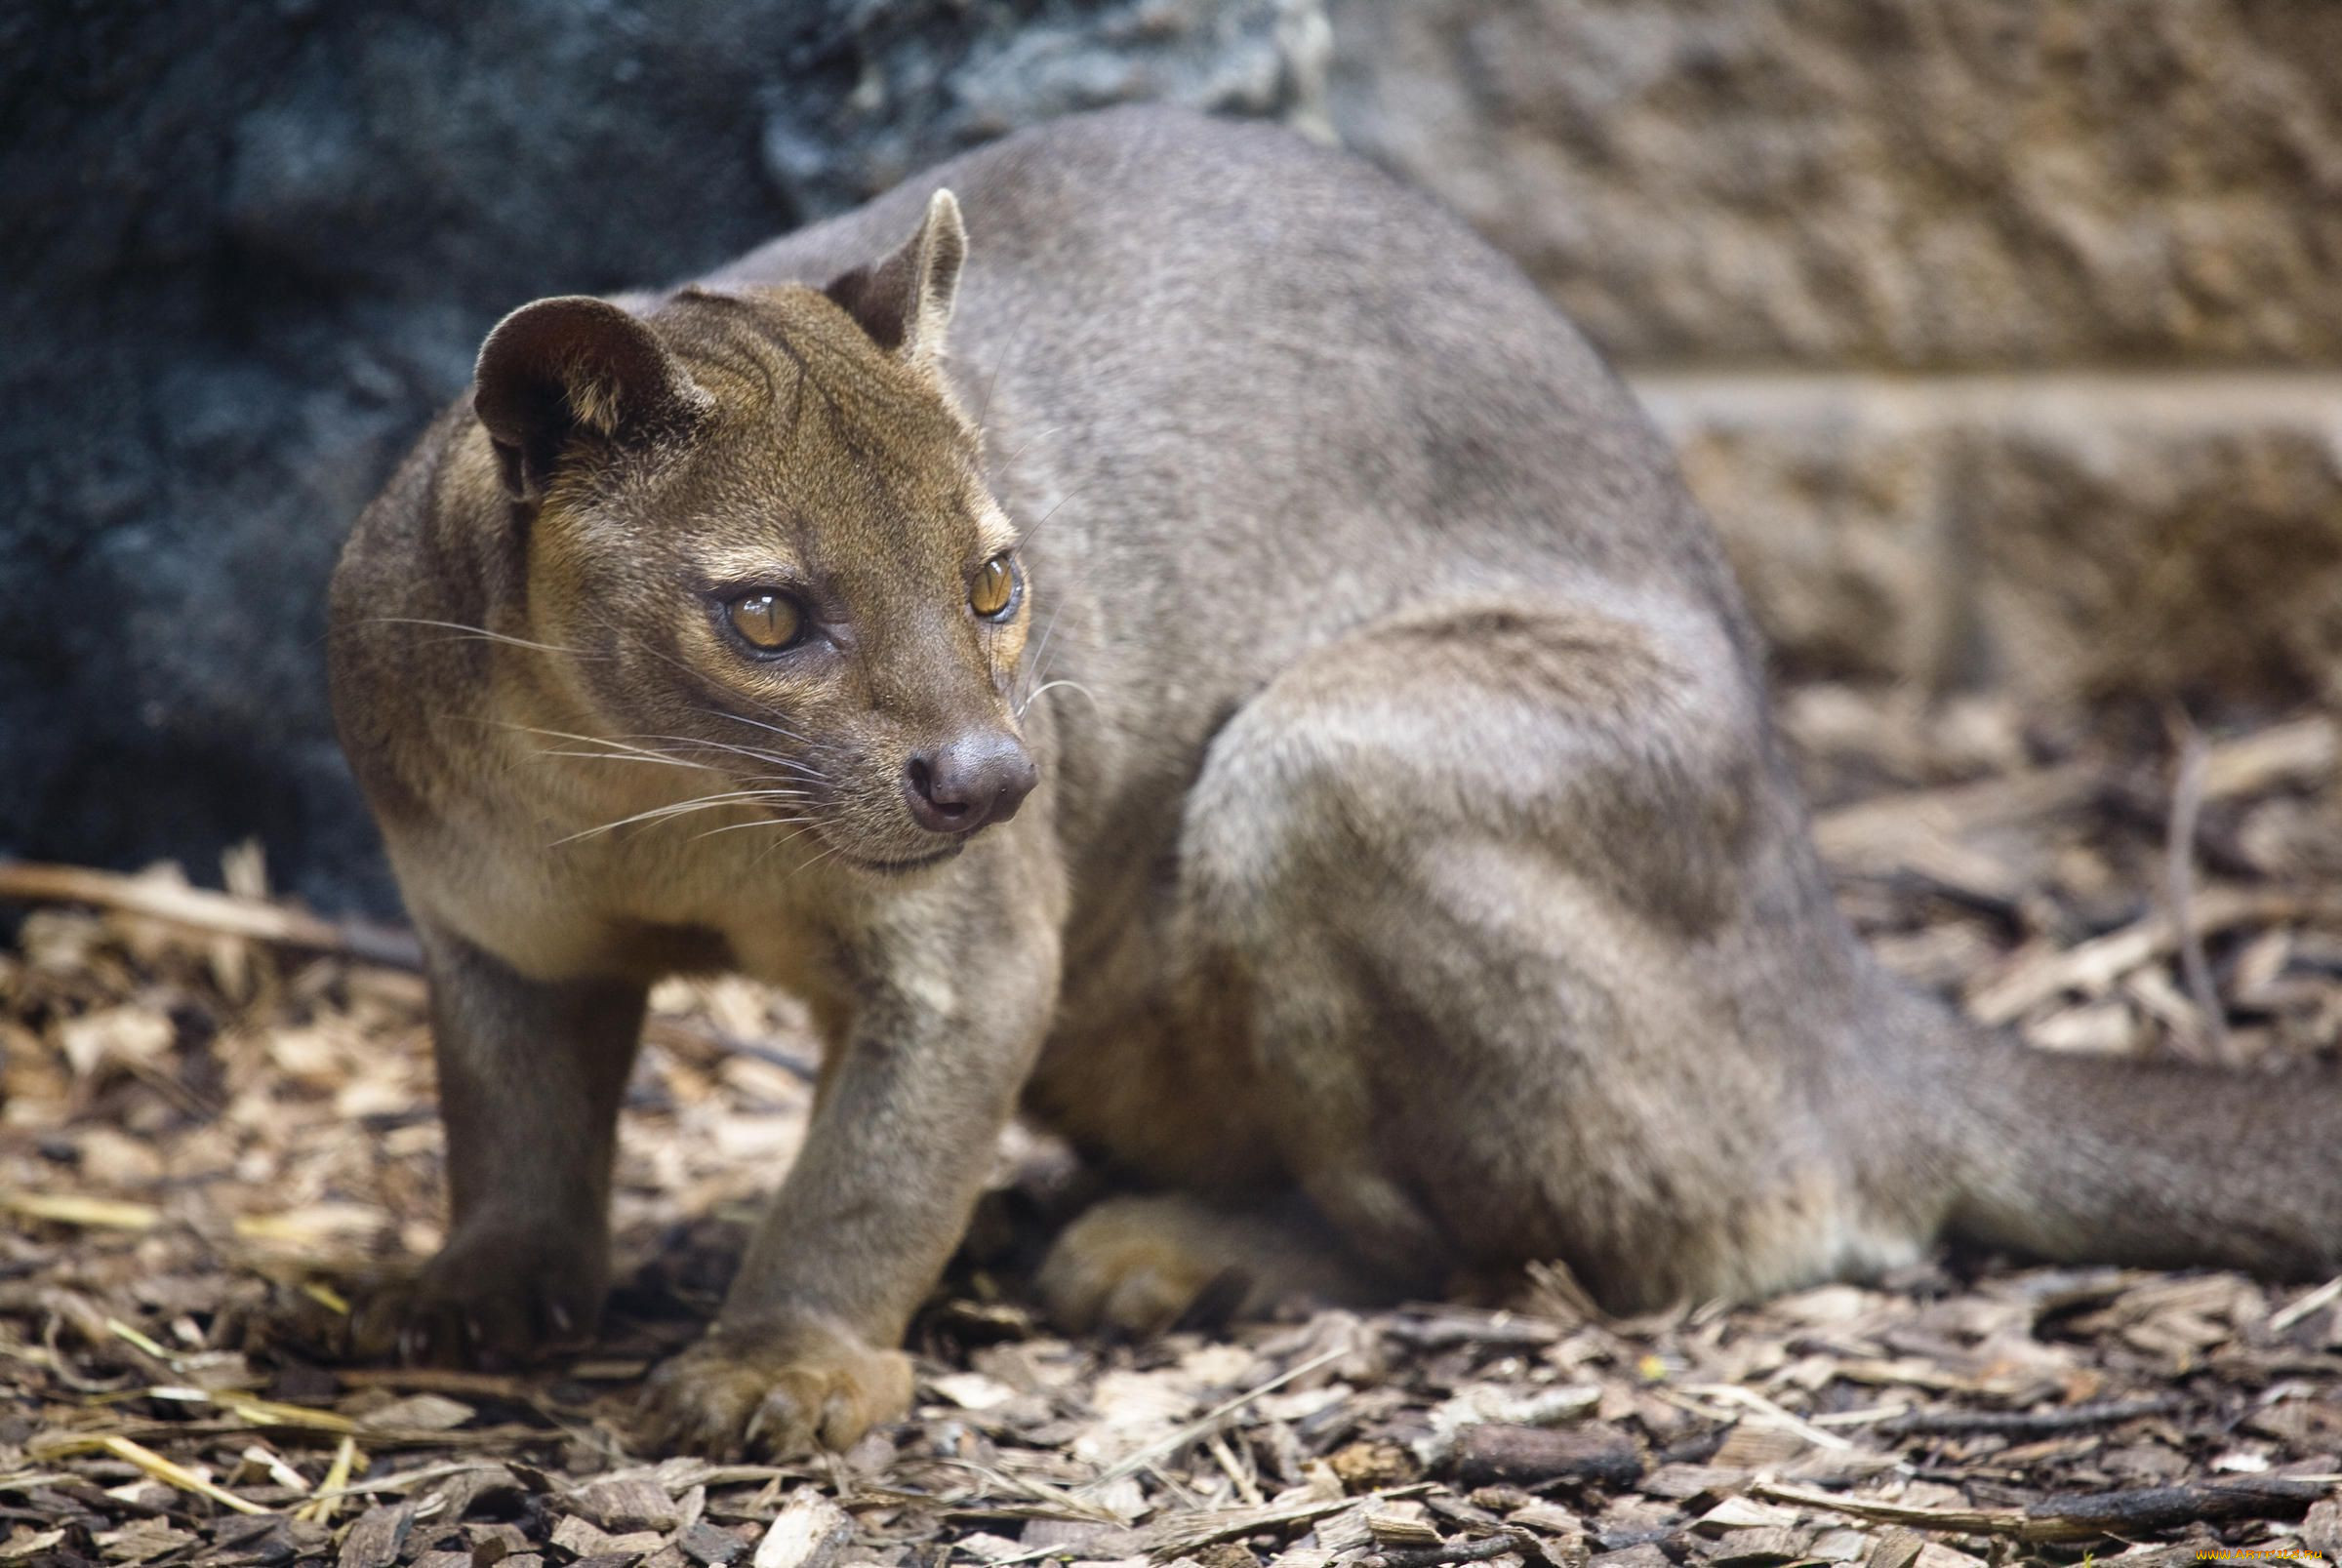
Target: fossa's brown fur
{"x":1413,"y":884}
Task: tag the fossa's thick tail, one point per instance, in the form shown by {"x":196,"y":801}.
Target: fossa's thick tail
{"x":2091,"y":1160}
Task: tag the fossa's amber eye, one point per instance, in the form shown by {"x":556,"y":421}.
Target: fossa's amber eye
{"x":770,"y":621}
{"x":994,"y":590}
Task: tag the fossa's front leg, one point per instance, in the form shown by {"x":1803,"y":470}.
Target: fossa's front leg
{"x":953,"y":990}
{"x":531,"y":1073}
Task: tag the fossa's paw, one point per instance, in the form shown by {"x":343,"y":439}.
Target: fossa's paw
{"x":489,"y":1300}
{"x":1137,"y":1267}
{"x":777,"y":1389}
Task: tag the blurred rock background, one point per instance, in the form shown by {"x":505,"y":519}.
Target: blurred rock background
{"x":1999,"y":334}
{"x":2002,"y":337}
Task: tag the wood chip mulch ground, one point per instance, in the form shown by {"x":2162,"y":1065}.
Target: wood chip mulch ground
{"x":218,"y":1128}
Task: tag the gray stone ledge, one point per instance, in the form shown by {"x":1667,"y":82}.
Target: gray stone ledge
{"x":2074,"y":535}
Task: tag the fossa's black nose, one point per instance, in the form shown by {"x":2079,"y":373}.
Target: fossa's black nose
{"x":982,"y":777}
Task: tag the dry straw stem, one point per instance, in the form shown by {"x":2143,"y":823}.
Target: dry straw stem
{"x":1210,"y":1420}
{"x":1883,"y":826}
{"x":320,"y":1507}
{"x":162,"y":1470}
{"x":1179,"y":1536}
{"x":2079,"y":1518}
{"x":2179,"y":888}
{"x":199,"y":909}
{"x":2095,"y":966}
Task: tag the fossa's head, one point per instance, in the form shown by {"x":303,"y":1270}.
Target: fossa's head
{"x":757,"y":528}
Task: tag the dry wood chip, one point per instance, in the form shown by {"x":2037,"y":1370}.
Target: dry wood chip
{"x":1401,"y":1526}
{"x":1362,"y":1466}
{"x":1746,"y":1513}
{"x":375,"y":1539}
{"x":1508,"y":1546}
{"x":579,"y":1536}
{"x":1485,"y":1403}
{"x":621,"y":1503}
{"x":589,"y":1539}
{"x":973,"y":1390}
{"x":419,"y":1413}
{"x":2322,"y":1529}
{"x":1642,"y":1555}
{"x":1080,"y":1537}
{"x":1190,"y":1533}
{"x":1453,"y":1514}
{"x":807,"y":1533}
{"x":141,"y":1539}
{"x":1346,"y":1531}
{"x":443,"y":1559}
{"x":1767,"y":1544}
{"x":493,"y":1542}
{"x":711,"y":1544}
{"x":1680,"y":1483}
{"x":1838,"y":1470}
{"x":1839,"y":1546}
{"x":253,"y":1542}
{"x":1756,"y":1445}
{"x":1547,"y":1518}
{"x":461,"y":1493}
{"x":1896,"y":1547}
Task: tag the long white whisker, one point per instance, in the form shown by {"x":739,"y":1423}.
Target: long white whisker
{"x":617,"y":751}
{"x":622,"y":756}
{"x":991,"y":383}
{"x":681,"y":808}
{"x":801,"y":823}
{"x":774,"y":729}
{"x":646,"y":755}
{"x":815,"y":861}
{"x":614,"y":745}
{"x":1034,"y":532}
{"x":1034,"y":666}
{"x":482,"y":633}
{"x":1034,"y":694}
{"x":782,"y":842}
{"x":1010,"y":461}
{"x":669,"y":658}
{"x":748,"y":752}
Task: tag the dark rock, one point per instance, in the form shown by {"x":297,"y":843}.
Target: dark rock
{"x":250,"y":249}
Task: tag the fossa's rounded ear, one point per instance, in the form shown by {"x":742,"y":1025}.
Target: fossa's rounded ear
{"x":570,"y":365}
{"x":905,"y":302}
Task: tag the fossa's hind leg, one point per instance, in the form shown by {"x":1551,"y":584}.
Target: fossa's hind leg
{"x":1139,"y":1263}
{"x":1534,"y":960}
